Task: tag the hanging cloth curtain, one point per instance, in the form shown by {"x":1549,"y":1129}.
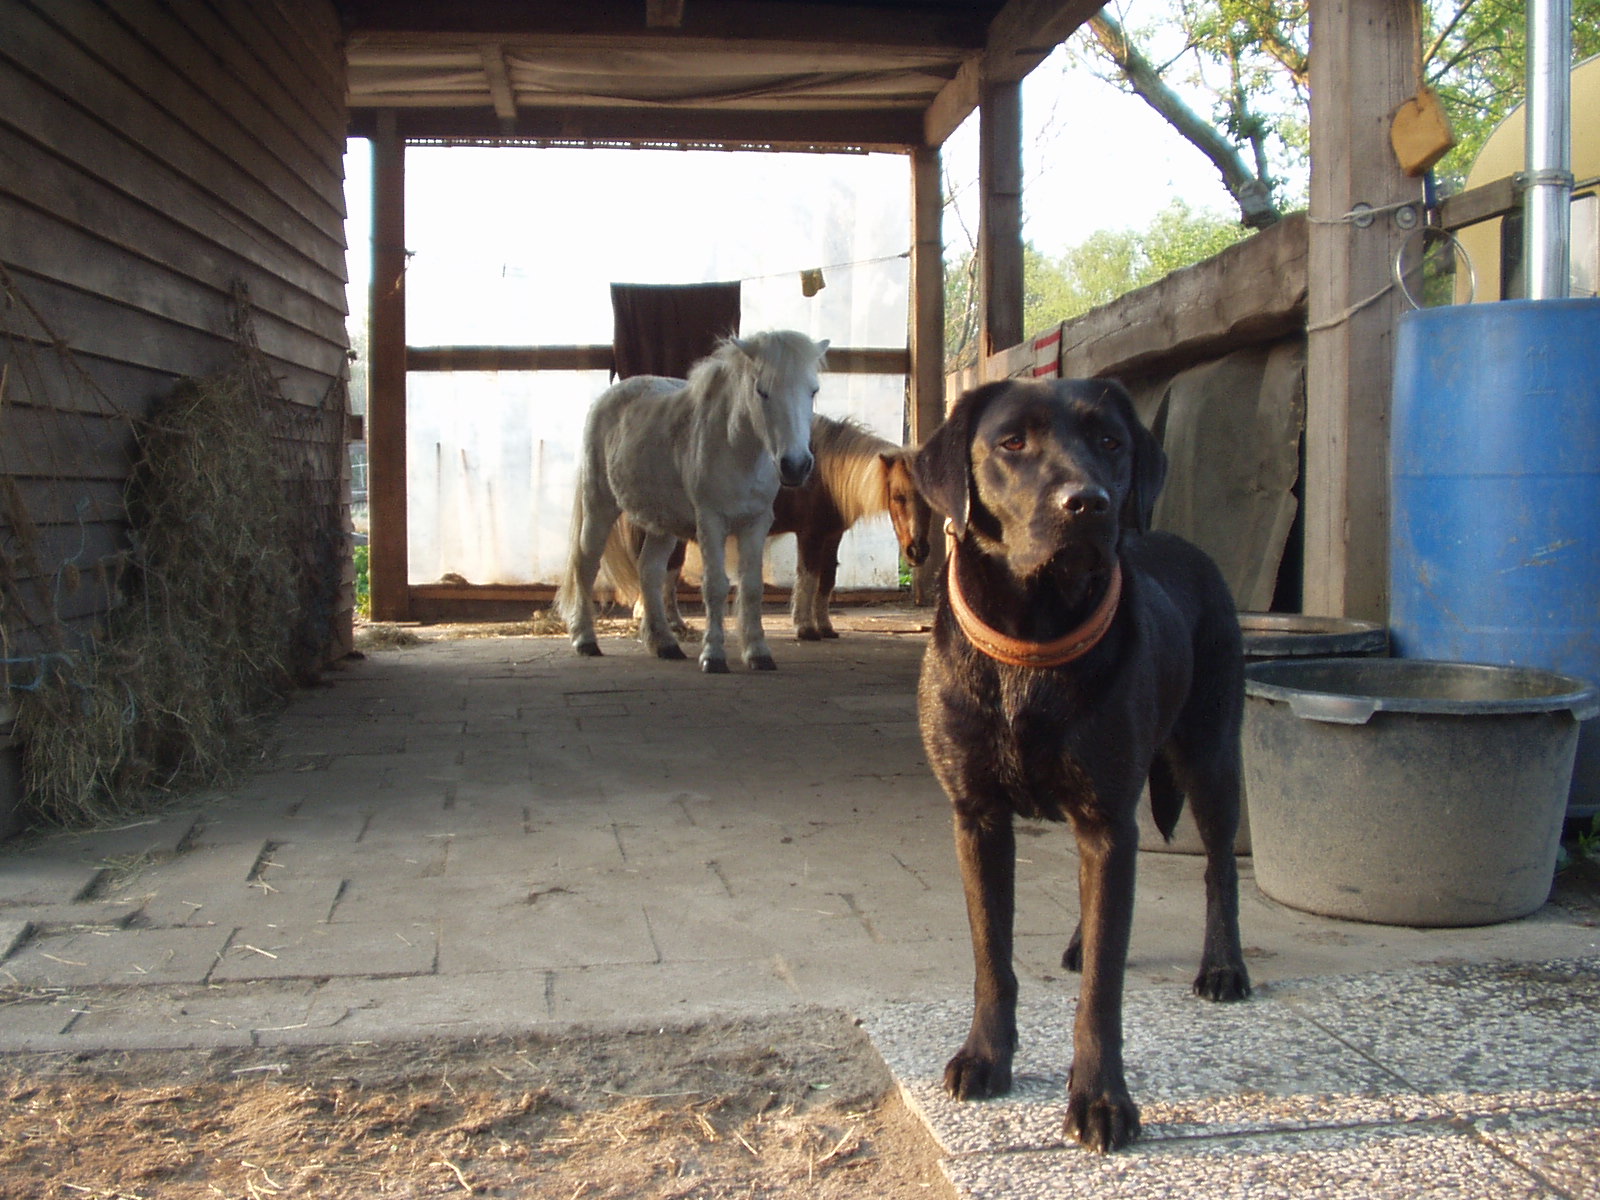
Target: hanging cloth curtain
{"x":662,"y":329}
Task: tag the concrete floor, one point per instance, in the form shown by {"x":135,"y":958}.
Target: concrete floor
{"x":491,"y":834}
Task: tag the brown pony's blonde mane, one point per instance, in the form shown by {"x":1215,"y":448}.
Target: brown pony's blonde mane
{"x":850,"y":467}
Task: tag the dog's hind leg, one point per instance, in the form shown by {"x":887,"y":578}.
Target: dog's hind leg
{"x":1214,"y":791}
{"x":986,"y":850}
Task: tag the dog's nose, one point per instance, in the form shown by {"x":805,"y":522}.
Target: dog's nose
{"x":1084,"y":500}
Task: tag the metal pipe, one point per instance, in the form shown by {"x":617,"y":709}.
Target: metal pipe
{"x":1547,"y":201}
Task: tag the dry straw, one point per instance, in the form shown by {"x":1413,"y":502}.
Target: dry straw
{"x":222,"y":604}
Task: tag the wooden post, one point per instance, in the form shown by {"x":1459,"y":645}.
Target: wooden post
{"x":1363,"y":66}
{"x":927,"y":330}
{"x":386,"y":379}
{"x":1000,"y":217}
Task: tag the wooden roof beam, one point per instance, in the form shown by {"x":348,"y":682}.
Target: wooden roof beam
{"x":663,"y":14}
{"x":712,"y":22}
{"x":1021,"y":36}
{"x":494,"y":70}
{"x":850,"y":129}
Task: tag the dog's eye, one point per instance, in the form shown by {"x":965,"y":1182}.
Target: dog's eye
{"x":1108,"y":443}
{"x":1013,"y":443}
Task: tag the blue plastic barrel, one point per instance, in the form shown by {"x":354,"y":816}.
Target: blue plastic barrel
{"x":1495,"y":494}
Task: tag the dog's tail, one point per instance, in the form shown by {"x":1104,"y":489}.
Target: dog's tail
{"x":1166,"y":798}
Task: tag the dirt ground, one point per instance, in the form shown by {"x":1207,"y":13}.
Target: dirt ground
{"x":794,"y":1106}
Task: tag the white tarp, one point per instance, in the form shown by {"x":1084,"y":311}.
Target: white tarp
{"x":519,"y":247}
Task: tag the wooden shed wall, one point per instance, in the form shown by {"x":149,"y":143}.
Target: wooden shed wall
{"x":154,"y":157}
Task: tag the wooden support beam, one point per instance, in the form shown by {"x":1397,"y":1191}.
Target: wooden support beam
{"x":1020,"y":37}
{"x":842,"y":360}
{"x":499,"y":79}
{"x":386,"y":379}
{"x":663,"y":14}
{"x":1000,"y":215}
{"x":1024,"y":32}
{"x":954,"y":103}
{"x":927,"y":330}
{"x":1363,"y":66}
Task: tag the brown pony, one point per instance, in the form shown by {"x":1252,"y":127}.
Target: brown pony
{"x":858,"y":474}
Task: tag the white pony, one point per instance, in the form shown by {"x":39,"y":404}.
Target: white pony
{"x":700,"y":459}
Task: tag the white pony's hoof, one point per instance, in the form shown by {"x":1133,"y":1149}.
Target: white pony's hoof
{"x":807,"y":634}
{"x":714,"y":666}
{"x":673,"y":653}
{"x":761,"y":662}
{"x":587,"y":649}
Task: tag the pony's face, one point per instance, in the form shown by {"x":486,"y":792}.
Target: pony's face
{"x":785,"y":384}
{"x":908,"y":511}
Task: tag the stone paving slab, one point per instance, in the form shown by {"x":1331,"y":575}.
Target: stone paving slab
{"x":1467,"y":1030}
{"x":40,"y":1024}
{"x":65,"y":918}
{"x":260,"y":904}
{"x":187,"y":877}
{"x":46,"y":878}
{"x":326,"y":950}
{"x":177,"y":1018}
{"x":120,"y":958}
{"x":13,"y":932}
{"x":1435,"y":1160}
{"x":1560,"y":1142}
{"x":154,"y":837}
{"x":560,"y":930}
{"x":1375,"y":1081}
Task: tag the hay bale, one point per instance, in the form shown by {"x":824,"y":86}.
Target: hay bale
{"x":171,"y":694}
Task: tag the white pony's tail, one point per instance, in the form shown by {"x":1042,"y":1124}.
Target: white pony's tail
{"x":619,"y":564}
{"x":568,"y":603}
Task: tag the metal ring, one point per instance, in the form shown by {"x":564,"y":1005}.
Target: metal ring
{"x":1460,"y":253}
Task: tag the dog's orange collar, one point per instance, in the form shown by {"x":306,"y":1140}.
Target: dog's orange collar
{"x":1018,"y":653}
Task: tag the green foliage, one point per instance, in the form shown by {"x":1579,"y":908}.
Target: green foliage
{"x":363,"y":561}
{"x":1106,"y":265}
{"x":1249,"y":59}
{"x":1478,"y":64}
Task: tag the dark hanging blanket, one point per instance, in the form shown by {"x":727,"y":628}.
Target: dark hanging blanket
{"x":662,"y":329}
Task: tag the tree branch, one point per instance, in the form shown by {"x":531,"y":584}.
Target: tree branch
{"x":1249,"y":191}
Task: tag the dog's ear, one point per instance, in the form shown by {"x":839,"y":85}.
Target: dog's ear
{"x":1149,"y":464}
{"x":942,"y":467}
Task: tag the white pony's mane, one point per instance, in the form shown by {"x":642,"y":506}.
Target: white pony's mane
{"x":852,"y":472}
{"x":782,"y":352}
{"x":731,"y":375}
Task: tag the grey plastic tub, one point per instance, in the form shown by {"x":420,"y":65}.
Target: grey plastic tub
{"x":1270,"y":636}
{"x":1409,"y":792}
{"x":1290,"y":635}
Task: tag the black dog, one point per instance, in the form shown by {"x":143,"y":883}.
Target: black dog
{"x":1074,"y":655}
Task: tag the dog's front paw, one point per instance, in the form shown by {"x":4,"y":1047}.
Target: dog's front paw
{"x":1102,"y":1122}
{"x":970,"y":1076}
{"x":1225,"y":983}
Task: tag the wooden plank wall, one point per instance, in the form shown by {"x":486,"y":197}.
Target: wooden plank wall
{"x":156,"y":156}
